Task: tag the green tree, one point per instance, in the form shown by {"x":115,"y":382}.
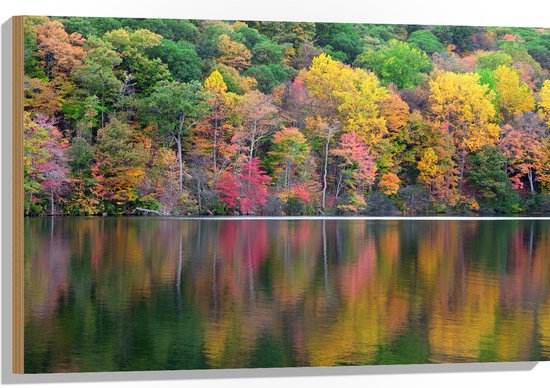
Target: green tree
{"x":268,"y":76}
{"x":426,"y":41}
{"x":490,"y":178}
{"x":458,"y":36}
{"x":132,"y":46}
{"x":181,"y":58}
{"x":120,"y":165}
{"x":398,"y":63}
{"x":176,"y":107}
{"x":35,"y":155}
{"x":288,"y":154}
{"x":493,"y":60}
{"x":267,"y":52}
{"x":97,"y":74}
{"x":84,"y":188}
{"x":340,"y":38}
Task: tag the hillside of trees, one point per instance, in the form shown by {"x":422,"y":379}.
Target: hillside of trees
{"x":274,"y":118}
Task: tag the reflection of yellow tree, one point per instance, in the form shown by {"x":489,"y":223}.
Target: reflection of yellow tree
{"x":360,"y":327}
{"x":514,"y":336}
{"x":370,"y":312}
{"x":225,"y":339}
{"x":295,"y":250}
{"x":544,"y":328}
{"x":438,"y":249}
{"x":460,"y":324}
{"x":390,"y":245}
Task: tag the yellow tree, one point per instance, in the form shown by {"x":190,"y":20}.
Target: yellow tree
{"x":544,"y":105}
{"x":211,"y":133}
{"x":397,"y":114}
{"x":360,"y":107}
{"x":233,"y":54}
{"x":389,"y":183}
{"x":344,"y":99}
{"x":513,"y":96}
{"x":438,"y":174}
{"x":323,"y":79}
{"x":428,"y":167}
{"x":349,"y":96}
{"x":462,"y":106}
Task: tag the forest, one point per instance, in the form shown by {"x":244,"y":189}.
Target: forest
{"x":204,"y":117}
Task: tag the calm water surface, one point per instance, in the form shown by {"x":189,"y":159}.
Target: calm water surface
{"x":106,"y":294}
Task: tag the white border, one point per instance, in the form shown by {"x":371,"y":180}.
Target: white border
{"x":456,"y":12}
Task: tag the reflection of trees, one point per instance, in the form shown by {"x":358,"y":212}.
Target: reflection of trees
{"x":46,"y":267}
{"x":463,"y":321}
{"x":131,"y":293}
{"x":369,"y":310}
{"x":544,"y":322}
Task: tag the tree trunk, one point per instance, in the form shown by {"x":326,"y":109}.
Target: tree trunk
{"x":199,"y":194}
{"x":31,"y":197}
{"x":147,"y":211}
{"x":530,"y":176}
{"x":339,"y":185}
{"x":325,"y":169}
{"x":52,"y":206}
{"x":215,"y":142}
{"x":461,"y":177}
{"x":252,"y":141}
{"x":287,"y":177}
{"x":180,"y":161}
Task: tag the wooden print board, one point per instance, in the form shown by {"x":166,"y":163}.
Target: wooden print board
{"x":17,"y":133}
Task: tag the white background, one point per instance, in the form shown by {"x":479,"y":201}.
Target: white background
{"x":468,"y":12}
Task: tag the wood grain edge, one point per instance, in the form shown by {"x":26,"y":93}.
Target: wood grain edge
{"x":17,"y":207}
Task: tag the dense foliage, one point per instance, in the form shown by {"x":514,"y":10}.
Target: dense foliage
{"x":211,"y":117}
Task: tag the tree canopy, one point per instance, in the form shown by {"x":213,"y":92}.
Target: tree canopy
{"x":216,"y":117}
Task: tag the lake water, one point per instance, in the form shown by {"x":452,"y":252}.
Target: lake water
{"x":109,"y":294}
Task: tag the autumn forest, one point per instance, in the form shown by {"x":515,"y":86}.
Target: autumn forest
{"x":178,"y":117}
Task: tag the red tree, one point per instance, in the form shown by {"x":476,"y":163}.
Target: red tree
{"x":358,"y":162}
{"x":253,"y":186}
{"x":54,"y":169}
{"x":247,"y":190}
{"x":228,"y":189}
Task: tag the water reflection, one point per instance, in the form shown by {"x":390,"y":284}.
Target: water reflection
{"x":105,"y":294}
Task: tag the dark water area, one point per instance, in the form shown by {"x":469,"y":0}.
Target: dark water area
{"x":129,"y":293}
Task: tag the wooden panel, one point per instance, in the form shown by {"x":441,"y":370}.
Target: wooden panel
{"x":17,"y":209}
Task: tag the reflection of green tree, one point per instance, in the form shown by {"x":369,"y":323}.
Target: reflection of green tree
{"x":490,"y":244}
{"x":269,"y":353}
{"x":410,"y":347}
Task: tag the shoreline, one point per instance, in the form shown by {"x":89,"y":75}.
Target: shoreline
{"x":297,"y":218}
